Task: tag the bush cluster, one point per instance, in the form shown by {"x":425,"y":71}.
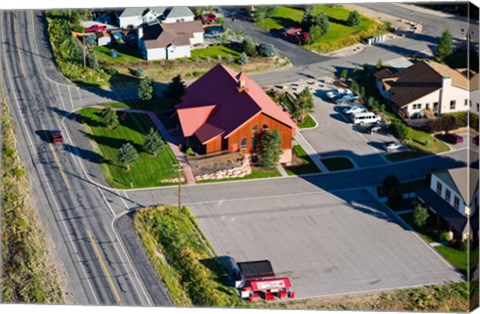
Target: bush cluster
{"x":451,"y":121}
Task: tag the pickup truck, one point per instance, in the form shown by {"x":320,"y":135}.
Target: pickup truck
{"x":345,"y":98}
{"x":303,"y":37}
{"x":96,"y":28}
{"x":291,"y":31}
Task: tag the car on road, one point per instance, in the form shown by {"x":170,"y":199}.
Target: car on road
{"x":475,"y":140}
{"x":55,"y":136}
{"x":453,"y":138}
{"x":354,"y":109}
{"x":96,"y":28}
{"x":392,"y":146}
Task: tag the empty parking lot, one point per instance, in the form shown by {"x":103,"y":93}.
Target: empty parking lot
{"x":327,"y":244}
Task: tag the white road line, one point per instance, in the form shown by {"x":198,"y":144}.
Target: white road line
{"x":61,"y":98}
{"x":42,"y":170}
{"x":70,"y":94}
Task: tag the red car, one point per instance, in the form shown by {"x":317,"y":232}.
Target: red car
{"x":96,"y":28}
{"x":55,"y":136}
{"x":208,"y":18}
{"x":453,"y":138}
{"x":303,"y":37}
{"x":289,"y":31}
{"x":475,"y":140}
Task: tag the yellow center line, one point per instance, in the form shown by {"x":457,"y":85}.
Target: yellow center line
{"x":104,"y":267}
{"x":17,"y":45}
{"x":57,"y":161}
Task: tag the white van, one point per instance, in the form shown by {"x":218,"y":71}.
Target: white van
{"x":365,"y":117}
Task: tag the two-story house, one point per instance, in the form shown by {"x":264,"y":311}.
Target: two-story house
{"x":134,"y":17}
{"x":426,"y":85}
{"x":452,"y":198}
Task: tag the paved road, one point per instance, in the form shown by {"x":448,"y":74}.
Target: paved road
{"x":77,"y":214}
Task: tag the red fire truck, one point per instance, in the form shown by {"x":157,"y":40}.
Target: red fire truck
{"x":257,"y":281}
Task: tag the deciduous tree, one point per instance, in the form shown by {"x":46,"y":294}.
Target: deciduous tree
{"x":353,"y":19}
{"x":270,"y":149}
{"x":420,"y":215}
{"x":444,"y":46}
{"x":305,"y":104}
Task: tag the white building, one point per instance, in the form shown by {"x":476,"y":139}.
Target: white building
{"x":474,"y":94}
{"x":178,"y":14}
{"x":169,"y":41}
{"x":453,"y":197}
{"x":426,"y":85}
{"x":134,"y":17}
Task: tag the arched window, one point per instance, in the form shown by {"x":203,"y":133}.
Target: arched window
{"x":243,"y":144}
{"x":265,"y":127}
{"x":255,"y":128}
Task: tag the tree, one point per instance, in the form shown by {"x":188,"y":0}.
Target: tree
{"x":92,"y":61}
{"x":344,"y":74}
{"x":176,"y":88}
{"x":208,"y":59}
{"x":353,"y":19}
{"x":308,"y":20}
{"x":321,"y":19}
{"x":305,"y":105}
{"x":399,"y":130}
{"x":420,"y":215}
{"x":263,"y":12}
{"x":270,"y":147}
{"x":389,"y":182}
{"x":379,"y":64}
{"x":243,"y":60}
{"x":447,"y":123}
{"x":109,"y":117}
{"x":127,"y":155}
{"x":444,"y":46}
{"x":146,"y":89}
{"x":315,"y":32}
{"x":90,"y":40}
{"x":219,"y":58}
{"x":139,"y":72}
{"x":229,"y":58}
{"x":249,"y":47}
{"x":153,"y":142}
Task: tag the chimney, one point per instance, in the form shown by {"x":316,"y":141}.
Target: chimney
{"x":242,"y":82}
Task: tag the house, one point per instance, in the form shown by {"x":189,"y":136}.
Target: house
{"x":103,"y":38}
{"x":426,"y":85}
{"x":178,"y":14}
{"x":169,"y":41}
{"x":474,"y":94}
{"x":452,"y":197}
{"x":134,"y":17}
{"x":225,"y":111}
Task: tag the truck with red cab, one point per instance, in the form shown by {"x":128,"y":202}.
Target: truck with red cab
{"x":96,"y":28}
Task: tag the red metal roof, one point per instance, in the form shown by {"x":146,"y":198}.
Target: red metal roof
{"x":232,"y":106}
{"x":268,"y":284}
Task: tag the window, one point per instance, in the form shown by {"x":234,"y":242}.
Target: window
{"x":427,"y":106}
{"x":255,"y":128}
{"x":453,"y":104}
{"x":447,"y":195}
{"x":439,"y":188}
{"x":478,"y":107}
{"x":466,"y":102}
{"x":265,"y":127}
{"x":435,"y":106}
{"x":470,"y":104}
{"x":419,"y":106}
{"x":243,"y":144}
{"x":456,"y":202}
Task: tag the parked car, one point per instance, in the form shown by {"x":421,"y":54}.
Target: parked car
{"x":453,"y":138}
{"x":55,"y":136}
{"x":208,"y":18}
{"x":475,"y":140}
{"x":96,"y":28}
{"x":213,"y":31}
{"x":303,"y":37}
{"x":392,"y":146}
{"x":289,"y":31}
{"x":365,"y":118}
{"x":354,"y":109}
{"x":376,"y":129}
{"x":337,"y":92}
{"x":345,"y":98}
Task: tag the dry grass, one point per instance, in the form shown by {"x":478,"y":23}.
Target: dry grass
{"x":29,"y":274}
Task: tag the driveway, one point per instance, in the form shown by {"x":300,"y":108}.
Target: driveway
{"x":337,"y":136}
{"x":327,"y":244}
{"x":296,"y":54}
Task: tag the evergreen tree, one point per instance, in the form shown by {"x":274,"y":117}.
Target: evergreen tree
{"x":243,"y":60}
{"x":353,"y":19}
{"x":176,"y":88}
{"x":146,"y":89}
{"x":420,"y":215}
{"x":321,"y":20}
{"x":139,"y":72}
{"x":305,"y":105}
{"x":270,"y":149}
{"x":127,"y":155}
{"x":109,"y":117}
{"x":308,"y":20}
{"x":444,"y":46}
{"x":153,"y":142}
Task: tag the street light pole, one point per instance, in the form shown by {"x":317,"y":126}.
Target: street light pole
{"x":178,"y":168}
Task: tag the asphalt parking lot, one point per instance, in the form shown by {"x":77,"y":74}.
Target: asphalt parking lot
{"x":337,"y":136}
{"x":327,"y":244}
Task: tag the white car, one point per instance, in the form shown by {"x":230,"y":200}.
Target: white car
{"x":391,"y":146}
{"x":354,"y":109}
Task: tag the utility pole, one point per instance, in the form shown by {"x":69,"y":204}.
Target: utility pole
{"x":178,"y":168}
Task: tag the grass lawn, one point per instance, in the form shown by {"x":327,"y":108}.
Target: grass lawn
{"x":125,"y":55}
{"x":214,"y":51}
{"x":307,"y":165}
{"x":404,"y":155}
{"x":339,"y":34}
{"x":430,"y":234}
{"x":418,"y":139}
{"x":456,"y":257}
{"x":308,"y":123}
{"x":256,"y":174}
{"x":337,"y":163}
{"x":147,"y":171}
{"x":151,"y":105}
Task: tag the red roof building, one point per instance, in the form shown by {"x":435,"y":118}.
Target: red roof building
{"x":225,"y":111}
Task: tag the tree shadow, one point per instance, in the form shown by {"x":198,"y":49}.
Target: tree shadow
{"x":86,"y":154}
{"x":114,"y":143}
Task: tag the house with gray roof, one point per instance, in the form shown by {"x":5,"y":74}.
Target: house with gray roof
{"x":452,"y":198}
{"x":178,"y":14}
{"x":134,"y":17}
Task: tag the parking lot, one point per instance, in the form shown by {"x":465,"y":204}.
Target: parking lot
{"x":327,"y":244}
{"x":336,"y":135}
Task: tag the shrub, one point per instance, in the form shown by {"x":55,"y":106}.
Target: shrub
{"x":249,"y":47}
{"x":139,"y":72}
{"x":399,"y":130}
{"x":243,"y":59}
{"x":110,"y":71}
{"x":208,"y":59}
{"x":420,"y":215}
{"x":109,"y":118}
{"x":229,"y":58}
{"x":353,"y":19}
{"x":219,"y":58}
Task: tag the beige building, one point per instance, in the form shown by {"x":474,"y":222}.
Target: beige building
{"x":425,"y":86}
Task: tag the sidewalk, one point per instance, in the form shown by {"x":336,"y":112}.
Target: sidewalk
{"x":171,"y":141}
{"x":310,"y":151}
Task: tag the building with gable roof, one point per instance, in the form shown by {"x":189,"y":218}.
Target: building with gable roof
{"x":134,"y":17}
{"x":226,"y":111}
{"x":452,"y":197}
{"x":426,"y":85}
